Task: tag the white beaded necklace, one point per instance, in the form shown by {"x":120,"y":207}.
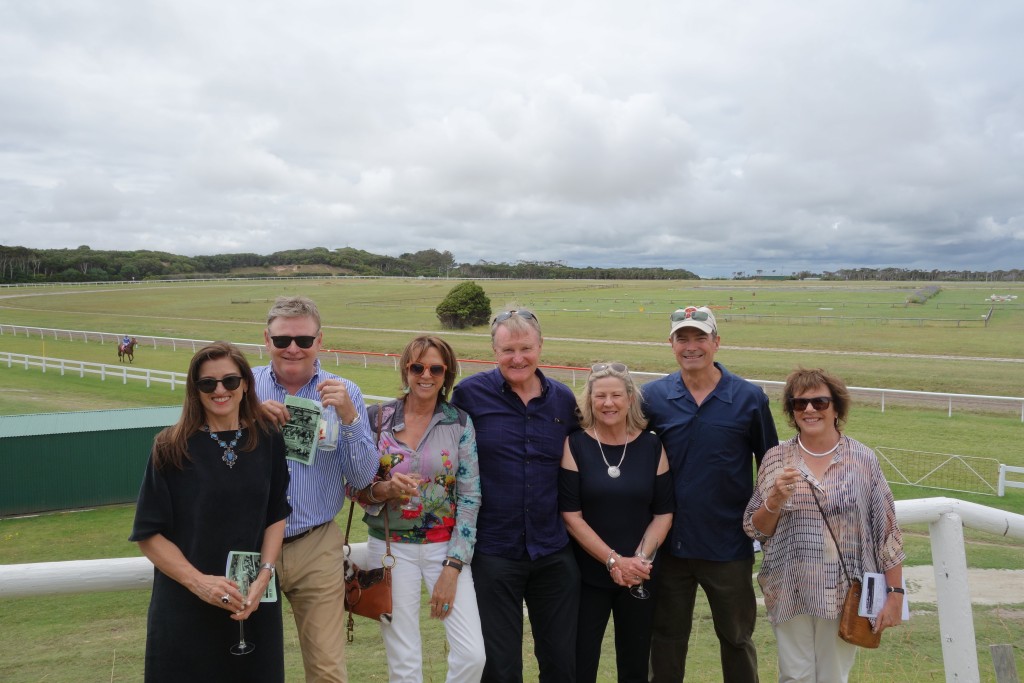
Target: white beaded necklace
{"x":613,"y":470}
{"x":818,"y":455}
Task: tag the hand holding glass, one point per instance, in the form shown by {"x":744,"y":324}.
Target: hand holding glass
{"x":414,"y":500}
{"x":791,"y":469}
{"x":645,"y":552}
{"x":243,"y":646}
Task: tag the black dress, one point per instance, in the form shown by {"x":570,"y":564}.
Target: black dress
{"x":207,"y":510}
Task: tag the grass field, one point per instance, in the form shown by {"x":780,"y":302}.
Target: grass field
{"x":854,"y":329}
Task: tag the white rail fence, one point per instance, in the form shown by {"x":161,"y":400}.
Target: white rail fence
{"x":573,"y":375}
{"x":946,"y":519}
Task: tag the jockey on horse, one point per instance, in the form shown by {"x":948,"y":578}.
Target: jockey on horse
{"x":126,"y":348}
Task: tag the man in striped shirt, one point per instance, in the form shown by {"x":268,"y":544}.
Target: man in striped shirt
{"x":309,"y":569}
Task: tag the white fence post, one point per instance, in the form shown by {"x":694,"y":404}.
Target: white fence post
{"x":956,"y":621}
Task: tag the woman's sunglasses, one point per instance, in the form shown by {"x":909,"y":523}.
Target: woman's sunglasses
{"x":435,"y":370}
{"x":522,"y":313}
{"x":614,"y":367}
{"x":819,"y":403}
{"x":208,"y":385}
{"x":284,"y":341}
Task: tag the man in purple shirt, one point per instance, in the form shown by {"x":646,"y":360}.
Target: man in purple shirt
{"x":522,"y":548}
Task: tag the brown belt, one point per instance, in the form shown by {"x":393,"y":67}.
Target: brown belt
{"x":307,"y":532}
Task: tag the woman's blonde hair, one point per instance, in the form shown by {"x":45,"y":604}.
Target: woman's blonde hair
{"x":635,"y":420}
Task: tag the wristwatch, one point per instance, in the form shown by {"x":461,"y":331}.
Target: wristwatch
{"x":272,"y":568}
{"x":895,"y":589}
{"x":354,"y":422}
{"x":454,"y":564}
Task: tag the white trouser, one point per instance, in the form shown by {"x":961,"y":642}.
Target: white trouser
{"x":416,"y":562}
{"x":811,"y":651}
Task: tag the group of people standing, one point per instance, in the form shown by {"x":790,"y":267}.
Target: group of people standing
{"x":504,"y":490}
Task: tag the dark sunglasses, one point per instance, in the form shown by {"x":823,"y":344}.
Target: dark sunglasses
{"x":690,"y":314}
{"x":522,"y":313}
{"x":284,"y":341}
{"x":614,"y":367}
{"x":208,"y":385}
{"x":435,"y":370}
{"x":819,"y":403}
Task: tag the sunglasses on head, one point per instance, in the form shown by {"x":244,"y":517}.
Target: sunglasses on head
{"x":435,"y":370}
{"x":799,"y":405}
{"x":690,"y":314}
{"x":208,"y":385}
{"x":614,"y":367}
{"x":284,"y":341}
{"x":522,"y":313}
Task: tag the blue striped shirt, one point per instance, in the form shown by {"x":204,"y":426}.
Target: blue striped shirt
{"x":317,"y":492}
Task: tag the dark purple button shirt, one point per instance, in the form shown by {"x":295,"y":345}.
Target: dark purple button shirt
{"x":520,"y":447}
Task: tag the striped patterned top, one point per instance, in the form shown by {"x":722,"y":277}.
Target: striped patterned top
{"x":800,"y":571}
{"x":317,"y":492}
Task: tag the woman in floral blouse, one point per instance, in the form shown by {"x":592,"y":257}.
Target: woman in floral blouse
{"x":429,"y":486}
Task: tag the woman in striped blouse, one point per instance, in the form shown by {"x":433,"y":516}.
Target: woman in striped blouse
{"x":801,"y":577}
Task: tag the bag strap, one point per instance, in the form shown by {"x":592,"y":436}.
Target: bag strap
{"x":352,"y":504}
{"x":839,"y":551}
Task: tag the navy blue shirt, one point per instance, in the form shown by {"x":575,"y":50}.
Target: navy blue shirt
{"x":520,"y":448}
{"x":711,"y":449}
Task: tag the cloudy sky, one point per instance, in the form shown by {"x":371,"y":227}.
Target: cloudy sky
{"x":713,"y":136}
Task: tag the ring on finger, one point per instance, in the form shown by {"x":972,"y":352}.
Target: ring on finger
{"x":225,"y":598}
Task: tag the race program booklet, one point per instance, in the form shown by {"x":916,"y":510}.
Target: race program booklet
{"x":302,"y":433}
{"x":242,"y":568}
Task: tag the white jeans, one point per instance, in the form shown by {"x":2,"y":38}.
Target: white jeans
{"x":416,"y":562}
{"x":811,"y":651}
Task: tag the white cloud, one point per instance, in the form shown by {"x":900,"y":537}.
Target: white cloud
{"x":714,"y":137}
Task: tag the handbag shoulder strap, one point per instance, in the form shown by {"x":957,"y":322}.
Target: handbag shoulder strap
{"x":839,"y":551}
{"x":352,"y":504}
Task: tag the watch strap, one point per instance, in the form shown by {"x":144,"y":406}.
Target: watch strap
{"x":895,"y":589}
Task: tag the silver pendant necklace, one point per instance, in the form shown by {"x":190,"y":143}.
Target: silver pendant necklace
{"x":229,"y":457}
{"x":613,"y":470}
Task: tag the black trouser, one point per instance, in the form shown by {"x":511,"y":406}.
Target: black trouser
{"x":550,"y":587}
{"x":633,"y":620}
{"x":730,"y":591}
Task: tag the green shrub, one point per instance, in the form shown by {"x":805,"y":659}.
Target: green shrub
{"x":465,"y":306}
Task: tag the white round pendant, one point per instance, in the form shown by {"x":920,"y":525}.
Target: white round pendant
{"x":613,"y":472}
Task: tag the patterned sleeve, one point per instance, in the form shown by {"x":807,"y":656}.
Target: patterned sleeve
{"x":467,"y":497}
{"x":885,"y":531}
{"x":766,"y":475}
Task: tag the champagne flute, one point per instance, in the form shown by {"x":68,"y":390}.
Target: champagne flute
{"x":414,"y":500}
{"x":792,"y":466}
{"x":646,"y":552}
{"x":243,"y":646}
{"x":242,"y":573}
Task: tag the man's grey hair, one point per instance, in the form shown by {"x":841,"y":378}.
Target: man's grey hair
{"x":517,"y":325}
{"x":293,"y":307}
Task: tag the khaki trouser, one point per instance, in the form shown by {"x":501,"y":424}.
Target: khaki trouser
{"x":310,"y":574}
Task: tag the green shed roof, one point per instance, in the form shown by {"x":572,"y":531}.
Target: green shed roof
{"x":87,"y":421}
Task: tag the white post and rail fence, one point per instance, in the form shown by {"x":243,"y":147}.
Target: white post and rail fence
{"x":946,"y":519}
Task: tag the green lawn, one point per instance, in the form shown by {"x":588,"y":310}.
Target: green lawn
{"x":851,"y":328}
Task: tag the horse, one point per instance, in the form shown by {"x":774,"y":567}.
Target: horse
{"x":127,"y":350}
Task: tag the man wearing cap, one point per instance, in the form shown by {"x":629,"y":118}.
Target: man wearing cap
{"x":310,"y":566}
{"x":714,"y":425}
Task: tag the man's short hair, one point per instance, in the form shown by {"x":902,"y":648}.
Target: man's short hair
{"x":293,"y":307}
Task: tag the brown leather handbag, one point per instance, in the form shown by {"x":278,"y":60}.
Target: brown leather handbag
{"x":368,"y":591}
{"x":853,"y":628}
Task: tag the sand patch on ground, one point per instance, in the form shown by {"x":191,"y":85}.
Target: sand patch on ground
{"x":986,"y":586}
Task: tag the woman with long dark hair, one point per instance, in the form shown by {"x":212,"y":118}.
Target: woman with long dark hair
{"x":216,"y":482}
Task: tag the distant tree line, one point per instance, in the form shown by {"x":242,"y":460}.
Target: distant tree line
{"x":22,"y":264}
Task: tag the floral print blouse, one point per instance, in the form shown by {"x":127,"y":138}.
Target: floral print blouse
{"x":449,"y":491}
